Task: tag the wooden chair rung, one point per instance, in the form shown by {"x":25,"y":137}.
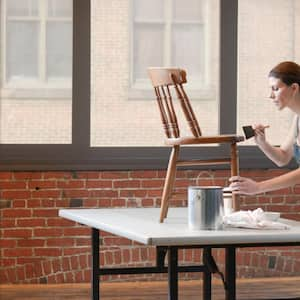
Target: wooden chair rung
{"x":198,"y":162}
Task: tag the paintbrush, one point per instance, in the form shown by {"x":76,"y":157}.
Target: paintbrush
{"x":249,"y":131}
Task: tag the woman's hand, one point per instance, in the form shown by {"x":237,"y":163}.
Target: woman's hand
{"x":242,"y":185}
{"x":260,"y":137}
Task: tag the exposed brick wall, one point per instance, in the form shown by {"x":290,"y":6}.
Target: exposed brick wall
{"x":38,"y":246}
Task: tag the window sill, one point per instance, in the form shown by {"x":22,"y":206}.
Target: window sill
{"x":36,"y":93}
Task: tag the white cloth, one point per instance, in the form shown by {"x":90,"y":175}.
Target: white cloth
{"x":256,"y":219}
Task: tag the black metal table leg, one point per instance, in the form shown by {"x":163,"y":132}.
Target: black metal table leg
{"x":206,"y":288}
{"x":173,"y":273}
{"x":230,"y":273}
{"x":95,"y":264}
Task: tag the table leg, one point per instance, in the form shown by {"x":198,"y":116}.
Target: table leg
{"x":95,"y":264}
{"x":230,"y":273}
{"x":206,"y":287}
{"x":173,"y":273}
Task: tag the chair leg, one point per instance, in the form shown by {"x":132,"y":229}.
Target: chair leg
{"x":171,"y":186}
{"x":234,"y":172}
{"x":169,"y":182}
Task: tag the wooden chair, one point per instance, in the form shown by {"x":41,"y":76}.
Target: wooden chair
{"x":163,"y":81}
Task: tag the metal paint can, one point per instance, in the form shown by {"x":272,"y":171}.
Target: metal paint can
{"x":205,"y":207}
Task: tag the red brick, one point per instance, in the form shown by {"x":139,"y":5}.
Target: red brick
{"x":33,"y":203}
{"x":12,"y":185}
{"x":12,"y":275}
{"x":17,"y":233}
{"x":87,"y":175}
{"x":31,"y":243}
{"x":118,"y":203}
{"x":20,"y":273}
{"x":15,"y":194}
{"x":3,"y":276}
{"x":28,"y":260}
{"x":31,"y":222}
{"x":45,"y":212}
{"x":83,"y":261}
{"x":16,"y":212}
{"x":74,"y":262}
{"x":77,"y":250}
{"x":46,"y":194}
{"x":76,"y":231}
{"x":152,"y":183}
{"x":19,"y":203}
{"x":7,"y":262}
{"x":72,"y":184}
{"x":126,"y":184}
{"x":100,"y":184}
{"x":133,"y":193}
{"x":45,"y":252}
{"x":56,"y":265}
{"x":48,"y":232}
{"x":103,"y":193}
{"x":7,"y":223}
{"x":7,"y":243}
{"x":76,"y":193}
{"x":47,"y":267}
{"x":6,"y":175}
{"x":106,"y":203}
{"x":42,"y":184}
{"x":63,"y":242}
{"x":29,"y":271}
{"x":114,"y":175}
{"x":57,"y":175}
{"x":58,"y":222}
{"x":143,"y":174}
{"x":17,"y":252}
{"x":27,"y":175}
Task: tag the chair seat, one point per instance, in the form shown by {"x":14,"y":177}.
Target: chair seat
{"x":190,"y":140}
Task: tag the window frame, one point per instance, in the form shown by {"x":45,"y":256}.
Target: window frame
{"x":80,"y":156}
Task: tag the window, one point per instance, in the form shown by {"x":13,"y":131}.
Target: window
{"x":35,"y":99}
{"x":155,"y":33}
{"x":37,"y":48}
{"x":174,"y":33}
{"x":82,"y":151}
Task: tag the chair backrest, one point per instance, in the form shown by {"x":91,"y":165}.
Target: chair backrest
{"x":163,"y":80}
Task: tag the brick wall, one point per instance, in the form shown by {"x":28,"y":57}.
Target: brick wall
{"x":38,"y":246}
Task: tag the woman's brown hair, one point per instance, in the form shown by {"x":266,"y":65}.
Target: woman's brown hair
{"x":288,"y":72}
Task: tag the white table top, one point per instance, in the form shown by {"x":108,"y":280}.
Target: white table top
{"x":141,"y":225}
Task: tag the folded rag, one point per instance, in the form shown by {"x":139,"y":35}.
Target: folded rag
{"x":255,"y":219}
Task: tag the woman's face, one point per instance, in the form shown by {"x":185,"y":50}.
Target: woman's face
{"x":281,"y":94}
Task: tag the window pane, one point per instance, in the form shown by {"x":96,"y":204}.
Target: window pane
{"x":59,"y":8}
{"x":149,"y":10}
{"x":116,"y":119}
{"x":259,"y":51}
{"x":59,"y":49}
{"x":24,"y":8}
{"x":32,"y":110}
{"x":22,"y":50}
{"x":188,"y":10}
{"x":145,"y":54}
{"x":188,"y":50}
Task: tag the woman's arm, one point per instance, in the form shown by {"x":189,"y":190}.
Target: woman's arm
{"x":247,"y":186}
{"x":279,"y":155}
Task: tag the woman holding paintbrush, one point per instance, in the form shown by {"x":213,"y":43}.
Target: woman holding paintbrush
{"x":284,"y":81}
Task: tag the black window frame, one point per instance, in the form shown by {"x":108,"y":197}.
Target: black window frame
{"x":80,"y":156}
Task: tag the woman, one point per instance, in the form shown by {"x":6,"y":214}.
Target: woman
{"x":284,"y":81}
